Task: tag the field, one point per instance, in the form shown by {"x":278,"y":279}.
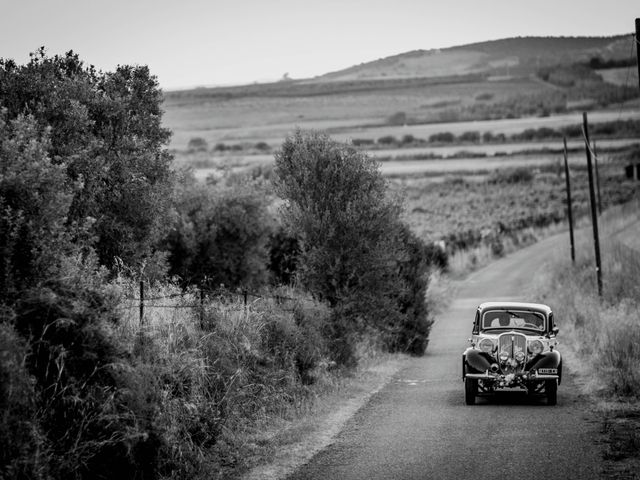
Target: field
{"x":441,"y":141}
{"x":219,"y":117}
{"x":620,"y":76}
{"x":475,"y":208}
{"x":404,"y":164}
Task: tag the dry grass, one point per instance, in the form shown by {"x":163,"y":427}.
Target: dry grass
{"x":611,"y":322}
{"x":462,"y":262}
{"x":226,"y":373}
{"x":231,"y":397}
{"x":602,"y":335}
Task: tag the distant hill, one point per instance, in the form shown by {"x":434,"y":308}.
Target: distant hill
{"x":500,"y":58}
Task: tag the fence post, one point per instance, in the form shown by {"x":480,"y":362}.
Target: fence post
{"x":244,"y":292}
{"x":595,"y":164}
{"x":141,"y":302}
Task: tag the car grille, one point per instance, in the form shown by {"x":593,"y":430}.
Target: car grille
{"x":512,"y":343}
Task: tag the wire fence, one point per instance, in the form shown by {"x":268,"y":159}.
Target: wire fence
{"x":143,"y":299}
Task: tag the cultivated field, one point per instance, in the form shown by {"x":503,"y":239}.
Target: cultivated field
{"x":219,"y":117}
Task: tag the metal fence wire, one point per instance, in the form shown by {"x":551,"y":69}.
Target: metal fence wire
{"x":243,"y":298}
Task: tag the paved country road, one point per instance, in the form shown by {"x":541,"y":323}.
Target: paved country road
{"x":418,"y":427}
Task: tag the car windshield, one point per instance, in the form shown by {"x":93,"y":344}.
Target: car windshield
{"x":513,"y":319}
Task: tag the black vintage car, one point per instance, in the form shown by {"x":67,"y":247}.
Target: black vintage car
{"x":513,"y":346}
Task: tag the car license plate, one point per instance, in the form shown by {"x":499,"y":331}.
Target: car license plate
{"x":548,"y":371}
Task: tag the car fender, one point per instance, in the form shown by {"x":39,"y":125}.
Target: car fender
{"x":551,"y":359}
{"x":476,"y":360}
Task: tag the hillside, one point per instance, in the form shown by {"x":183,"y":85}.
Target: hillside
{"x":506,"y":57}
{"x":501,"y":79}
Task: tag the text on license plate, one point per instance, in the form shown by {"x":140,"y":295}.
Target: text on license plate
{"x":548,"y":371}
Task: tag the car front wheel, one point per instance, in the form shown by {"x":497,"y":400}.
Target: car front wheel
{"x":470,"y":390}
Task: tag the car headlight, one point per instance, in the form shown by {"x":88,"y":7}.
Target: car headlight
{"x":486,"y":345}
{"x":519,"y":356}
{"x":504,"y":356}
{"x":536,"y":347}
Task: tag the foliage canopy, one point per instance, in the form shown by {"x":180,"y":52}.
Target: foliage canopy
{"x":353,"y":244}
{"x":104,"y":130}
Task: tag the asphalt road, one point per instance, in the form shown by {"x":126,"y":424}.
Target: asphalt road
{"x":418,"y":426}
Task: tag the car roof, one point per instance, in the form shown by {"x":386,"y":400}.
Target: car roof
{"x":539,"y":307}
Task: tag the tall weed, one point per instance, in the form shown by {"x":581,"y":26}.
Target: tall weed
{"x":605,"y":332}
{"x":223,"y":372}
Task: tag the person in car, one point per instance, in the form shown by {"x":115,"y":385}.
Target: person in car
{"x":501,"y":321}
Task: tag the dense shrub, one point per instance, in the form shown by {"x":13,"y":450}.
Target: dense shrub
{"x":413,"y":332}
{"x":220,"y":380}
{"x":220,"y":235}
{"x":398,"y":118}
{"x":487,"y":137}
{"x":197,"y":144}
{"x":387,"y":140}
{"x":442,"y":137}
{"x":532,"y":134}
{"x":105,"y":132}
{"x":358,"y":142}
{"x":436,"y":256}
{"x":351,"y":241}
{"x":82,"y":407}
{"x":35,"y":199}
{"x":24,"y":450}
{"x":407,"y":139}
{"x":512,"y":175}
{"x":84,"y":180}
{"x":482,"y":97}
{"x":470,"y":136}
{"x":284,"y":250}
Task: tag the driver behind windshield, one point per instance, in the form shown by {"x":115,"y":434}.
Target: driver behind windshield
{"x":501,"y":321}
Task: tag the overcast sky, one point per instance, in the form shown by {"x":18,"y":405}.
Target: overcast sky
{"x":190,"y":43}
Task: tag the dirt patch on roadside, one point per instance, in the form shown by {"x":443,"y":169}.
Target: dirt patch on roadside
{"x":298,"y":441}
{"x":621,"y":454}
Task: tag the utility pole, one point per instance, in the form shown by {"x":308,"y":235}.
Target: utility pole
{"x":592,"y":198}
{"x":595,"y":164}
{"x":569,"y":208}
{"x":638,"y":46}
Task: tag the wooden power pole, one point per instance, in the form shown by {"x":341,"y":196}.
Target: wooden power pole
{"x":569,"y":208}
{"x":592,"y":198}
{"x":595,"y":164}
{"x":638,"y":46}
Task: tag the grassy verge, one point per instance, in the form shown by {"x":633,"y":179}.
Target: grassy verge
{"x":222,"y":373}
{"x":604,"y":332}
{"x":244,"y":389}
{"x":462,"y":262}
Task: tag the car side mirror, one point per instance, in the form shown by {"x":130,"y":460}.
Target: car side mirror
{"x":555,"y":330}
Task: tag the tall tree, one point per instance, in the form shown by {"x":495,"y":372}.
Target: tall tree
{"x":105,"y":128}
{"x":352,"y":242}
